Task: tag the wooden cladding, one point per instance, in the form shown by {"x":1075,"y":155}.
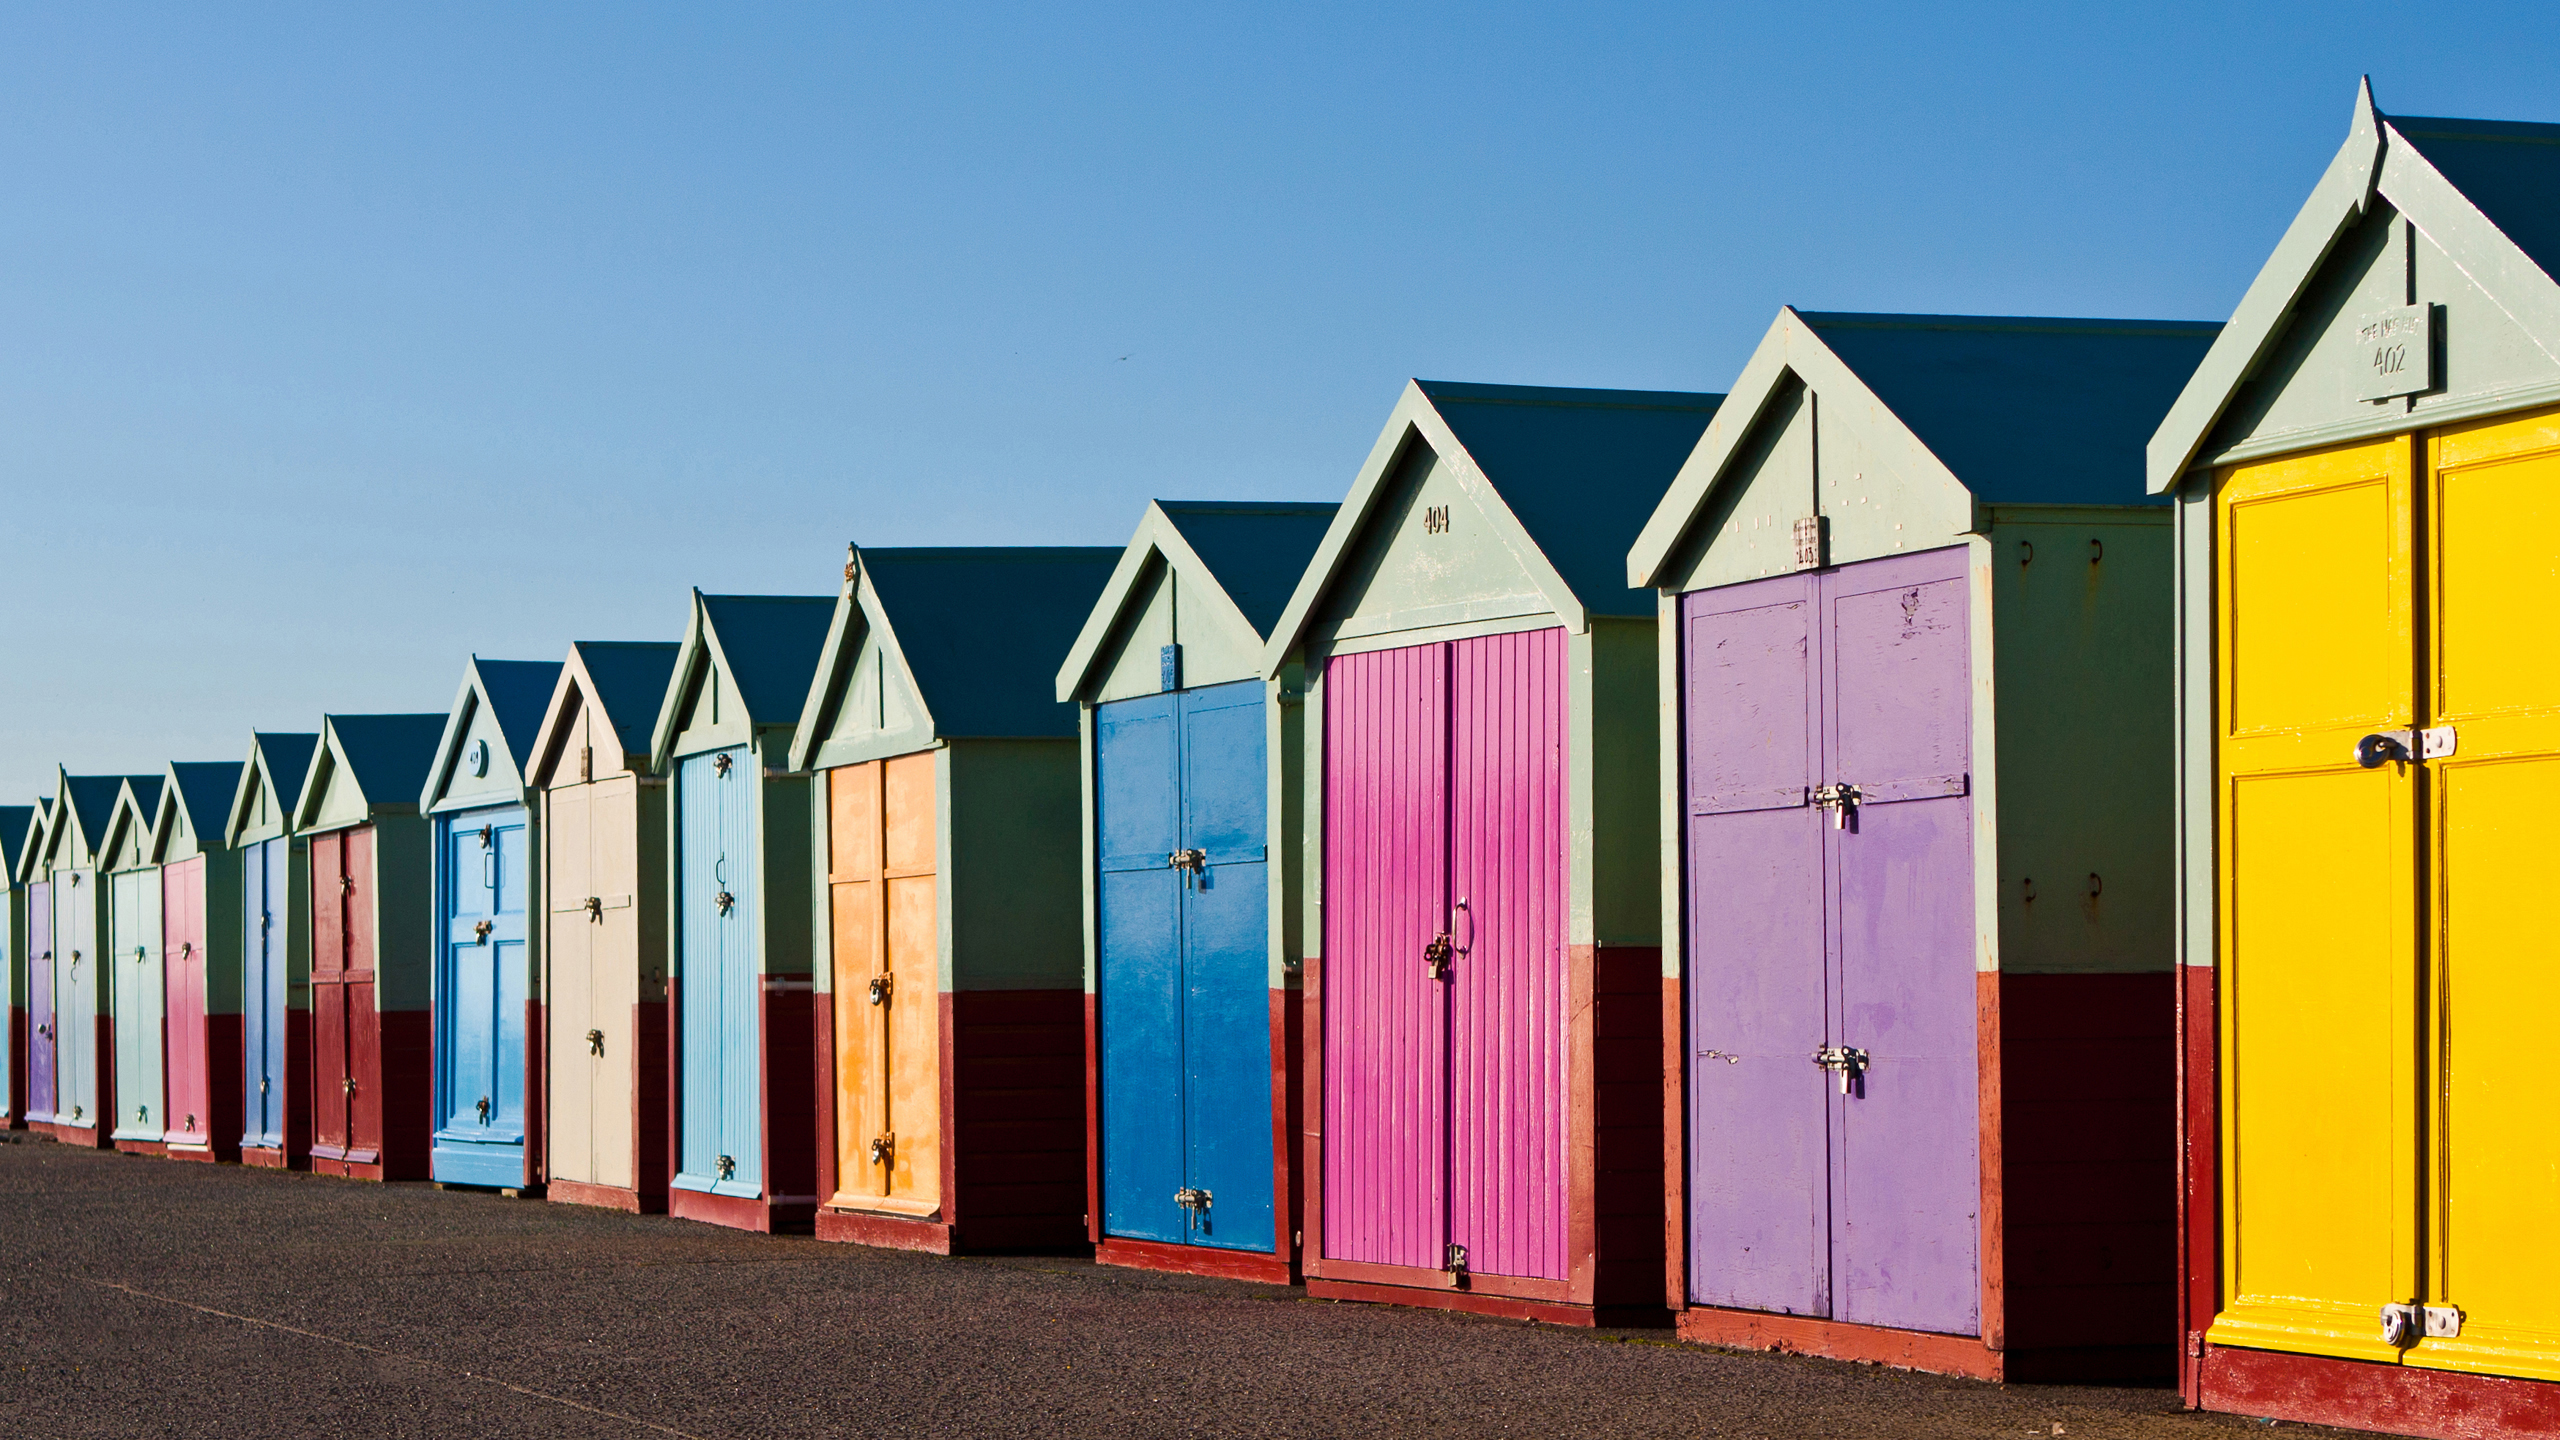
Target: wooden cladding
{"x":881,"y":893}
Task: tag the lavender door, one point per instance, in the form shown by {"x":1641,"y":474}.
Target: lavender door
{"x":1838,"y":931}
{"x":1444,"y":1084}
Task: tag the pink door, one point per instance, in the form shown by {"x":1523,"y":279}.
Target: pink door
{"x":1444,"y":981}
{"x":190,"y":1108}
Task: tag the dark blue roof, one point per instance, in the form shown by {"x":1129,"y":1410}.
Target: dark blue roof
{"x":772,"y":643}
{"x":2509,"y":169}
{"x":2026,"y":410}
{"x":205,"y":788}
{"x":389,"y":754}
{"x":630,"y":679}
{"x":16,"y":822}
{"x":288,"y":757}
{"x":985,"y":630}
{"x":93,"y":799}
{"x":518,"y":692}
{"x":1581,"y":470}
{"x":146,"y":797}
{"x":1257,"y":551}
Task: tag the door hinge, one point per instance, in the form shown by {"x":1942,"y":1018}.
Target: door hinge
{"x":1848,"y":1061}
{"x":1839,"y":800}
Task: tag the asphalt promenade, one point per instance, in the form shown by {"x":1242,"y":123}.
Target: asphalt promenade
{"x":152,"y":1298}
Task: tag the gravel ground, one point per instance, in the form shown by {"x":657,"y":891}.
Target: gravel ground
{"x":148,"y":1297}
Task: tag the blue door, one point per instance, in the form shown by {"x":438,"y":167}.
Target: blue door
{"x":264,"y":895}
{"x":480,"y":996}
{"x":720,"y":1036}
{"x":1183,"y":1009}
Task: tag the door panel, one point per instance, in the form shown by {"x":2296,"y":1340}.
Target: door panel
{"x":1386,"y":896}
{"x":76,"y":938}
{"x":332,"y":917}
{"x":363,"y":1024}
{"x":1506,"y":991}
{"x":2318,"y":902}
{"x":265,"y":894}
{"x":914,"y":961}
{"x":42,"y":1025}
{"x":720,"y":1026}
{"x":573,"y":1066}
{"x":887,"y":979}
{"x":1225,"y":984}
{"x":1139,"y":982}
{"x":182,"y":951}
{"x":613,"y":977}
{"x":480,"y":996}
{"x":1759,"y":1134}
{"x":741,"y":981}
{"x":133,"y":964}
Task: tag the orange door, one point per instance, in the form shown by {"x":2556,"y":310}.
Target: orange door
{"x":881,"y":836}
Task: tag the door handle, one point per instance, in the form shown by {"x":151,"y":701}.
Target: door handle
{"x":595,"y":1042}
{"x":2385,"y":747}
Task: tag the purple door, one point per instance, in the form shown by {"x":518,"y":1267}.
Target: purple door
{"x":40,"y":1019}
{"x":1830,"y":861}
{"x":1444,"y":1083}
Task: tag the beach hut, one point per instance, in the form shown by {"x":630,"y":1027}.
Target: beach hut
{"x":275,"y":950}
{"x":131,"y":961}
{"x":201,"y":932}
{"x":372,"y":884}
{"x":17,"y":826}
{"x":951,"y":1091}
{"x":2366,"y":474}
{"x":83,"y":1028}
{"x":488,"y":1063}
{"x":603,"y":819}
{"x":1190,"y":892}
{"x":1483,"y":1021}
{"x":738,"y":900}
{"x":1915,"y":814}
{"x":35,"y":1049}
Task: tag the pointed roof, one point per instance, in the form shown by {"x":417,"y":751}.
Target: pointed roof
{"x":766,"y":644}
{"x":284,"y":757}
{"x":2487,"y":192}
{"x":1569,"y":474}
{"x":88,"y":805}
{"x":1245,"y":556}
{"x":2013,"y":409}
{"x":27,"y":861}
{"x":137,"y":805}
{"x":515,"y":692}
{"x":201,"y":790}
{"x":386,"y":756}
{"x":979,"y":632}
{"x":625,"y":680}
{"x":17,"y":827}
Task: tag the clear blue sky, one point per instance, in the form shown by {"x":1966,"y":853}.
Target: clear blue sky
{"x":336,"y":344}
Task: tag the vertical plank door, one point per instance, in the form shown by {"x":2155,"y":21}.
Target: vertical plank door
{"x":2318,"y":901}
{"x":1505,"y":992}
{"x":265,"y":892}
{"x":139,"y":1000}
{"x":333,"y":917}
{"x":182,"y":949}
{"x":1906,"y":1183}
{"x":76,"y":936}
{"x":1225,"y":980}
{"x":2493,"y":524}
{"x":1759,"y":1181}
{"x":359,"y":983}
{"x":720,"y":1114}
{"x":42,"y":1023}
{"x":578,"y":1042}
{"x":882,"y":878}
{"x":613,"y":980}
{"x":1139,"y":982}
{"x":1386,"y":900}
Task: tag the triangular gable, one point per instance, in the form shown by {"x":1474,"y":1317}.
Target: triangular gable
{"x":17,"y":826}
{"x":367,"y":767}
{"x":2484,"y":200}
{"x":270,"y":785}
{"x":499,"y":705}
{"x":1891,"y":428}
{"x":863,"y":702}
{"x":27,"y":862}
{"x":128,"y":842}
{"x":1237,"y":564}
{"x":745,"y":661}
{"x":1560,"y":480}
{"x":617,"y":685}
{"x":195,"y":803}
{"x":83,"y":806}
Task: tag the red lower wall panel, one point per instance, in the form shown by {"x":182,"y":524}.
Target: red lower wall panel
{"x":17,"y":1112}
{"x":1015,"y":1130}
{"x":2359,"y":1395}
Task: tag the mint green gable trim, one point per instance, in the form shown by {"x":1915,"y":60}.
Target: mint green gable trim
{"x":1160,"y":593}
{"x":178,"y":837}
{"x":864,"y":703}
{"x":702,"y":710}
{"x":257,"y":811}
{"x":1014,"y":867}
{"x":470,"y":719}
{"x":30,"y":856}
{"x":128,"y":842}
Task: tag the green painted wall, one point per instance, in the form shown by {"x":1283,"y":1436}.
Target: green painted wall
{"x":403,"y":912}
{"x":1012,"y":865}
{"x":1617,"y":856}
{"x":1402,"y":576}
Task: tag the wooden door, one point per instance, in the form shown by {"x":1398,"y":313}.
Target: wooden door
{"x":359,"y":982}
{"x":1139,"y":983}
{"x":720,"y":1089}
{"x":42,"y":1022}
{"x":76,"y":938}
{"x":139,"y":1000}
{"x":572,"y":1060}
{"x":2319,"y":890}
{"x":333,"y":916}
{"x":2492,"y":526}
{"x":881,"y":894}
{"x":480,"y":992}
{"x":265,"y":893}
{"x":182,"y":948}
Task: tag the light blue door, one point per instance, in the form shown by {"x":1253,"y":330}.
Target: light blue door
{"x":132,"y":965}
{"x":75,"y":927}
{"x":720,"y":1035}
{"x":1184,"y":1005}
{"x":480,"y":989}
{"x":263,"y":896}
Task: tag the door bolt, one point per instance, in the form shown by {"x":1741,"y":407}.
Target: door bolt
{"x":1453,"y":1262}
{"x":881,"y":985}
{"x":1848,"y":1061}
{"x":595,"y":1042}
{"x":726,"y":1166}
{"x":884,"y":1149}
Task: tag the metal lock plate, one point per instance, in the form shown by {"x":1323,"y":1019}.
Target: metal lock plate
{"x":2442,"y":1322}
{"x":1847,"y":1061}
{"x":1839,"y":800}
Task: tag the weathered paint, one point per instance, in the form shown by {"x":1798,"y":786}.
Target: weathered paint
{"x":882,"y":846}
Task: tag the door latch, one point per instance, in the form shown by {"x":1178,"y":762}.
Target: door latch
{"x":881,"y":985}
{"x":595,"y":1042}
{"x":2441,"y":1322}
{"x":1192,"y":863}
{"x":720,"y":764}
{"x":480,"y":933}
{"x":1839,"y":800}
{"x":1847,"y":1061}
{"x":724,"y":900}
{"x":191,"y":1124}
{"x":350,"y":1083}
{"x":1453,"y":1263}
{"x":487,"y":838}
{"x":263,"y":1083}
{"x":595,"y":907}
{"x":484,"y":1109}
{"x":725,"y":1166}
{"x":1191,"y":1199}
{"x":884,"y":1149}
{"x":1435,"y":956}
{"x":2385,"y":747}
{"x":142,"y":1114}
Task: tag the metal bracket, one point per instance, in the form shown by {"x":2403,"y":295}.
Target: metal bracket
{"x":726,"y":1167}
{"x":484,"y":1109}
{"x":1839,"y":800}
{"x":2442,"y":1322}
{"x":2435,"y":742}
{"x":1435,"y":956}
{"x":720,"y":764}
{"x":595,"y":908}
{"x":881,"y":985}
{"x":1848,"y":1061}
{"x":595,"y":1042}
{"x":1191,"y":1199}
{"x":480,"y":932}
{"x":724,"y":900}
{"x":2385,"y":747}
{"x":1453,"y":1263}
{"x":884,"y":1149}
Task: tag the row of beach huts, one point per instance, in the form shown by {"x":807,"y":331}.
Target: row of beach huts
{"x":2006,"y":847}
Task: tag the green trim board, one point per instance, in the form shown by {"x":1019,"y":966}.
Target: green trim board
{"x":740,"y":676}
{"x":270,"y":786}
{"x":627,"y":681}
{"x":195,"y":802}
{"x":128,"y":844}
{"x":366,"y":768}
{"x":26,"y":861}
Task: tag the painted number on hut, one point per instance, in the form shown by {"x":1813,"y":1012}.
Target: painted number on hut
{"x":1435,"y":520}
{"x":2395,"y":353}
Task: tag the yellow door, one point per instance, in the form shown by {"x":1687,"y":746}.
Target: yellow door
{"x":2319,"y":1025}
{"x":887,"y":977}
{"x":2494,"y":1176}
